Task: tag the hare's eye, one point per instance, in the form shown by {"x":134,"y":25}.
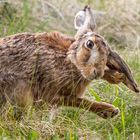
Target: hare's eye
{"x":90,"y":44}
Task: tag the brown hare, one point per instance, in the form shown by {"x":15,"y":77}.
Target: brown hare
{"x":55,"y":68}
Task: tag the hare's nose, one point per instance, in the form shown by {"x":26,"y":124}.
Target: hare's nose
{"x":95,"y":74}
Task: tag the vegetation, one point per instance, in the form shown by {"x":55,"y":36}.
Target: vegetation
{"x":119,"y":23}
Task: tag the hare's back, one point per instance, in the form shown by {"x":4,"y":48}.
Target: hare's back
{"x":16,"y":50}
{"x":22,"y":53}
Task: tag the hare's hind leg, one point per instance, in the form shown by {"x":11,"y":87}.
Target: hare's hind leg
{"x":102,"y":109}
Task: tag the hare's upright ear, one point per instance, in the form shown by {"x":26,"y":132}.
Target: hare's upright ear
{"x":79,"y":19}
{"x":118,"y":71}
{"x":84,"y":21}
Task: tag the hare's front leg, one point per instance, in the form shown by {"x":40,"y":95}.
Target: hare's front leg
{"x":102,"y":109}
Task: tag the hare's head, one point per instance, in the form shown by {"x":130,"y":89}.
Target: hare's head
{"x":89,"y":52}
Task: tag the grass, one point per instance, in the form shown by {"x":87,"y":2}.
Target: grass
{"x":74,"y":123}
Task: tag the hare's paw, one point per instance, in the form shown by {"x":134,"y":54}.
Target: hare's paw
{"x":105,"y":110}
{"x":108,"y":113}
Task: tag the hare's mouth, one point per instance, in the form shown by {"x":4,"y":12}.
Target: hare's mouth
{"x":93,"y":76}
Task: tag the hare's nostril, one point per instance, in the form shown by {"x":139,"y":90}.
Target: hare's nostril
{"x":95,"y":74}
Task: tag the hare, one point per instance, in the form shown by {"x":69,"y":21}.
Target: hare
{"x":55,"y":68}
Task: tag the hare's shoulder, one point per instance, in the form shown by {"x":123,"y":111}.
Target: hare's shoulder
{"x":55,"y":39}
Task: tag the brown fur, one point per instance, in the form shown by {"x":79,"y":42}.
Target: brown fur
{"x":36,"y":67}
{"x":118,"y":71}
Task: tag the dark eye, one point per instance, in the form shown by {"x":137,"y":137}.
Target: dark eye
{"x":90,"y":44}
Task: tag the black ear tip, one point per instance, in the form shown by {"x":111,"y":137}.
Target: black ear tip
{"x":137,"y":90}
{"x":86,"y":7}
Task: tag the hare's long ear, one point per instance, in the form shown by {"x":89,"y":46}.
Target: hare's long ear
{"x":119,"y":71}
{"x":79,"y":19}
{"x":84,"y":21}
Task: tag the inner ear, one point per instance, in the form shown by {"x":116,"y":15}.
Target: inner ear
{"x":79,"y":19}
